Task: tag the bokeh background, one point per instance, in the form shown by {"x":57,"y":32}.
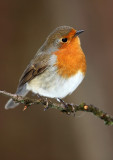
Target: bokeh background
{"x":35,"y":134}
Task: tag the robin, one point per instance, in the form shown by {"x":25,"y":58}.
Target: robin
{"x":57,"y":69}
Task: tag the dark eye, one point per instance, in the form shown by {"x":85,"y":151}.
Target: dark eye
{"x":64,"y":40}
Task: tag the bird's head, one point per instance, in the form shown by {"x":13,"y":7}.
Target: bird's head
{"x":62,"y":36}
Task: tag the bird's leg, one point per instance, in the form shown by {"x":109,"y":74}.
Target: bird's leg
{"x":45,"y":100}
{"x":66,"y":106}
{"x":46,"y":105}
{"x":33,"y":94}
{"x":39,"y":96}
{"x":61,"y":101}
{"x":73,"y":109}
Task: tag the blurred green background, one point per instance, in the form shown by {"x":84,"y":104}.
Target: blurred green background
{"x":35,"y":134}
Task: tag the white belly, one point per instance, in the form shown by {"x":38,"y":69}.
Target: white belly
{"x":53,"y":86}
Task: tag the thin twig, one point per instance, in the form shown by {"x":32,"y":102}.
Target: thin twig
{"x":108,"y":120}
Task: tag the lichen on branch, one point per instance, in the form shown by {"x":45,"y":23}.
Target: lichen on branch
{"x":70,"y":108}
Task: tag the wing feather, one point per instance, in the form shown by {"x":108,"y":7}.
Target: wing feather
{"x":37,"y":66}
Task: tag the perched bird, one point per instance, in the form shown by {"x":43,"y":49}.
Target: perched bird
{"x":57,"y":69}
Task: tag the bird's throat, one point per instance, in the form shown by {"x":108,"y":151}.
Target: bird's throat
{"x":70,"y":59}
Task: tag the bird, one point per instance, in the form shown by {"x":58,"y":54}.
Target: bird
{"x":57,"y":69}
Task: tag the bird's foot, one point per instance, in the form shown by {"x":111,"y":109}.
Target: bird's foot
{"x":69,"y":107}
{"x":62,"y":102}
{"x":73,"y":109}
{"x":46,"y":105}
{"x":44,"y":100}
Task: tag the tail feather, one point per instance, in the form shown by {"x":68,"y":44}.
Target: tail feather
{"x":21,"y":91}
{"x":11,"y":104}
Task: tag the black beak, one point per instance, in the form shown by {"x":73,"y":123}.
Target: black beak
{"x":79,"y":32}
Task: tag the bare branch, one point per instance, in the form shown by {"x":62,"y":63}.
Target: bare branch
{"x":70,"y":108}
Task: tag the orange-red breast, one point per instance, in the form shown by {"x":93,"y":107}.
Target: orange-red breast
{"x":57,"y":69}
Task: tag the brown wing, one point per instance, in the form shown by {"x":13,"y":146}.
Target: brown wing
{"x":37,"y":66}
